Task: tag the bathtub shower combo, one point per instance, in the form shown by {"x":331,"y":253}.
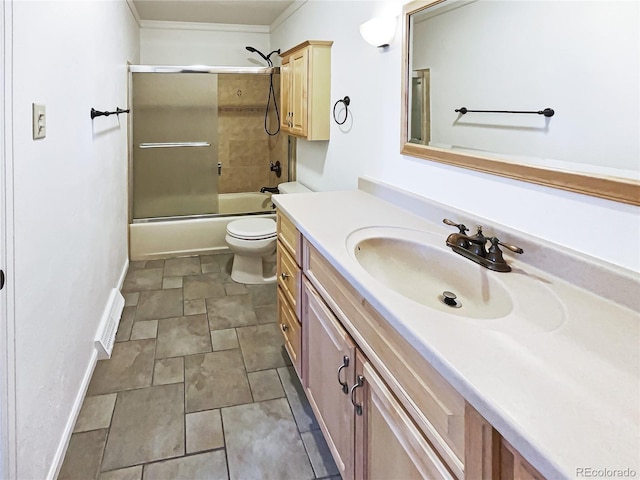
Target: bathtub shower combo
{"x":204,"y":143}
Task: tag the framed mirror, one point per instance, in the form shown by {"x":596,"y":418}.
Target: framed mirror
{"x":539,"y":91}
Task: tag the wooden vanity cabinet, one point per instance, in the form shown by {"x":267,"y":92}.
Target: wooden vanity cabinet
{"x":369,"y":433}
{"x":488,"y":456}
{"x":430,"y":401}
{"x":383,"y":410}
{"x":305,"y":88}
{"x":388,"y":442}
{"x":337,"y":323}
{"x":513,"y":466}
{"x":330,"y":356}
{"x":289,"y":273}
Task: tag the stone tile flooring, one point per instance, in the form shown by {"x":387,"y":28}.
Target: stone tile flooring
{"x":198,"y":385}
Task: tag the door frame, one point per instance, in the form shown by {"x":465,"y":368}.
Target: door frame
{"x":8,"y":448}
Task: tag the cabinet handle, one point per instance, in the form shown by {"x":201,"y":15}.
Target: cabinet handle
{"x":356,"y":406}
{"x":344,"y":385}
{"x":284,"y":275}
{"x":284,"y":327}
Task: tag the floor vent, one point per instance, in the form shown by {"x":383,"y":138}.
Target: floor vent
{"x":109,"y":325}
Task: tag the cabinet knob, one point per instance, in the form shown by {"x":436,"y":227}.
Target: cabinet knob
{"x":284,"y":275}
{"x":284,"y":327}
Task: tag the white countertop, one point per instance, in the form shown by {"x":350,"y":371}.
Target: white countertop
{"x":566,"y":399}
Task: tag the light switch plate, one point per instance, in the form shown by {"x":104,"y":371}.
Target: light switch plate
{"x":39,"y":121}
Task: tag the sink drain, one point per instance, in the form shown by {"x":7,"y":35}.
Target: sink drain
{"x":449,"y":299}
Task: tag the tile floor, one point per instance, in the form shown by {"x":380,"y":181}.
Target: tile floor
{"x":198,"y":385}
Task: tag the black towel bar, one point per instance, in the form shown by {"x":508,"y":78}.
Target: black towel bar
{"x":547,"y":112}
{"x":97,"y":113}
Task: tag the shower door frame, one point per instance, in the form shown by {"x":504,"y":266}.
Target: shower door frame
{"x":159,"y":69}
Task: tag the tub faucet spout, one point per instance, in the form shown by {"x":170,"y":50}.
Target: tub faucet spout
{"x":269,"y":189}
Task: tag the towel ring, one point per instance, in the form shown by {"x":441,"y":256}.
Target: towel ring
{"x":346,"y":101}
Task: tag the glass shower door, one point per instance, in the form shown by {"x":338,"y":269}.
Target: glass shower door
{"x":175,"y":151}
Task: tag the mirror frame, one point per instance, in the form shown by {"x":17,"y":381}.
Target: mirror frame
{"x":611,"y":188}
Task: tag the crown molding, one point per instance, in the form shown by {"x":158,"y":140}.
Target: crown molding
{"x":134,"y":11}
{"x":291,"y":9}
{"x":214,"y":27}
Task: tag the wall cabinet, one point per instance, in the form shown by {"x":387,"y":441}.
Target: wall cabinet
{"x":384,"y":411}
{"x":305,"y":89}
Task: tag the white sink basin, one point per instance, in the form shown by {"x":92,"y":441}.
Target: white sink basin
{"x":412,"y":264}
{"x":420,"y":267}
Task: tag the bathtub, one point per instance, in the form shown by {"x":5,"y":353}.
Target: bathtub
{"x":195,"y":235}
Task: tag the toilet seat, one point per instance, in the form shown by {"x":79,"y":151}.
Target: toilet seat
{"x":252,"y":229}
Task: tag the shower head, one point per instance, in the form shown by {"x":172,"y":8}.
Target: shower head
{"x":267,"y":59}
{"x":275,"y":51}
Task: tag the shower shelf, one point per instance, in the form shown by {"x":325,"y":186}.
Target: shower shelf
{"x":174,"y":144}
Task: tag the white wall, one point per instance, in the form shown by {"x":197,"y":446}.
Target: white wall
{"x":369,"y":144}
{"x":174,"y":43}
{"x":70,"y":206}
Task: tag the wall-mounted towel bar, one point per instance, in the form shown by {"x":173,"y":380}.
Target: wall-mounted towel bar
{"x":547,"y":112}
{"x":174,"y":144}
{"x":97,"y":113}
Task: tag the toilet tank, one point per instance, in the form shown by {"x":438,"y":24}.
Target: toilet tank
{"x":292,"y":187}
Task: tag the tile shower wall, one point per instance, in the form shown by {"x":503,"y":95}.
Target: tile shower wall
{"x":245,"y":149}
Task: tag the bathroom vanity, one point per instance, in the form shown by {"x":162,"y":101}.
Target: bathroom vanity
{"x":545,"y":386}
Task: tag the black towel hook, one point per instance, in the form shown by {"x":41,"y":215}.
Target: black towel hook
{"x":346,"y":101}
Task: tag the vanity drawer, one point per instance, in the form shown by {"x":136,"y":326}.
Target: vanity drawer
{"x":290,"y":237}
{"x":288,"y":274}
{"x":435,"y":406}
{"x":291,"y":330}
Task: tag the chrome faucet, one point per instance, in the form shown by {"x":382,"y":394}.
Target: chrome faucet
{"x":474,"y":247}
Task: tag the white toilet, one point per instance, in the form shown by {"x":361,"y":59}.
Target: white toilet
{"x":253,"y":239}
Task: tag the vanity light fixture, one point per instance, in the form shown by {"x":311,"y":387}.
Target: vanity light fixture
{"x":379,"y":31}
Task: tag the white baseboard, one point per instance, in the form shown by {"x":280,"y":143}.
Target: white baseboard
{"x":56,"y":464}
{"x":123,"y":274}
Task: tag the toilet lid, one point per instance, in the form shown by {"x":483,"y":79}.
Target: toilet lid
{"x":252,"y":228}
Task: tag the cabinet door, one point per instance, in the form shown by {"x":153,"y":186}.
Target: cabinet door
{"x":288,"y":277}
{"x":388,"y":444}
{"x":327,"y":346}
{"x":291,"y":330}
{"x":298,"y":97}
{"x":513,"y":466}
{"x":285,"y":96}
